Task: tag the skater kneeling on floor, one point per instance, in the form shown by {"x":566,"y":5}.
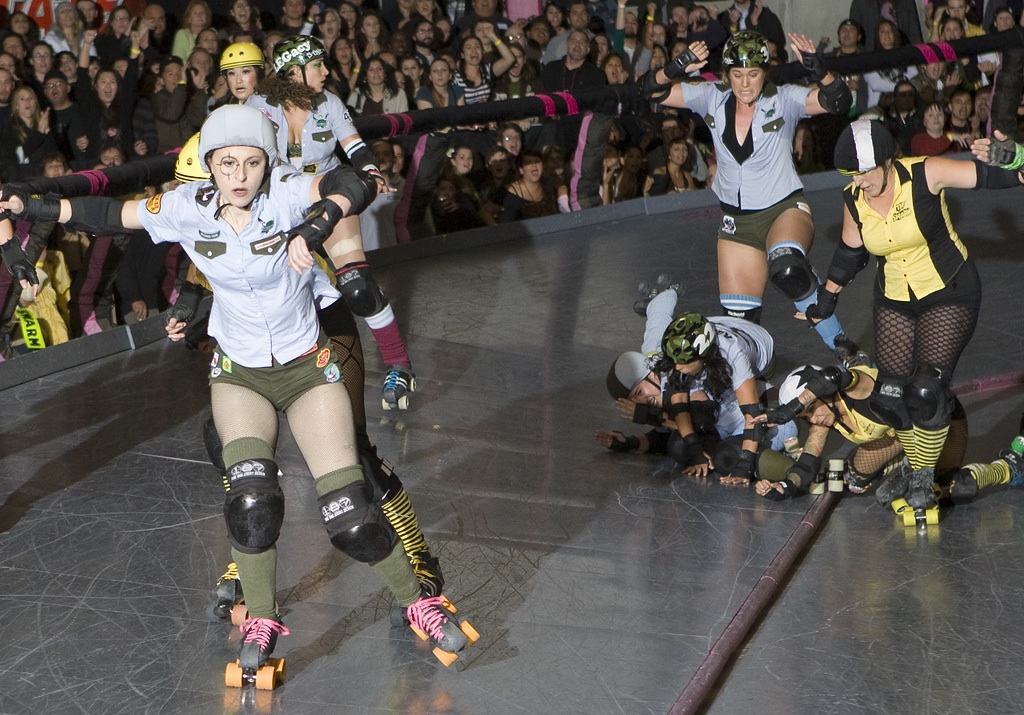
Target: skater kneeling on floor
{"x":837,"y":398}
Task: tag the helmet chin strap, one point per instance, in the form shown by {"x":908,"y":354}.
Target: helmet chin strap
{"x":885,"y":177}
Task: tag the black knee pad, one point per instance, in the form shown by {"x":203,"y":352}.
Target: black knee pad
{"x":214,"y":448}
{"x":254,"y":506}
{"x":355,"y":524}
{"x":379,"y":474}
{"x":886,"y":401}
{"x":928,"y":399}
{"x":362,"y":294}
{"x":791,"y":272}
{"x":686,"y":453}
{"x":336,"y":320}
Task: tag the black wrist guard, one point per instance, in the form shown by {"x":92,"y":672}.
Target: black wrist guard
{"x":814,"y":66}
{"x":756,"y":433}
{"x":323,"y":216}
{"x":185,"y":307}
{"x":17,"y":262}
{"x":676,"y":69}
{"x":37,"y":208}
{"x":1005,"y":153}
{"x":824,"y":308}
{"x":644,"y":414}
{"x":784,"y":413}
{"x":631,"y":444}
{"x":835,"y":98}
{"x":789,"y":490}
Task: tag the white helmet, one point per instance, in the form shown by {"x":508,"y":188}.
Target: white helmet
{"x":237,"y":125}
{"x":795,"y":383}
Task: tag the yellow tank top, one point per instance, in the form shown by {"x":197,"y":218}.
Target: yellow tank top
{"x":917,"y":247}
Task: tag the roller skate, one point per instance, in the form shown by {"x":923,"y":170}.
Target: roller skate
{"x":648,"y":291}
{"x":1014,"y":458}
{"x":254,"y":665}
{"x":920,"y":507}
{"x":963,"y":487}
{"x":849,"y":353}
{"x":228,"y":595}
{"x":398,"y":383}
{"x":896,"y":484}
{"x":434,"y":619}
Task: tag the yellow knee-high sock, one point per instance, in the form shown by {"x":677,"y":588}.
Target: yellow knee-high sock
{"x":927,"y":446}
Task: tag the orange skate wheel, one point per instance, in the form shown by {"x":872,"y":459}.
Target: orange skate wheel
{"x":470,"y":632}
{"x":418,"y":631}
{"x":445,"y":657}
{"x":239,"y":614}
{"x":266,"y":677}
{"x":233,"y":675}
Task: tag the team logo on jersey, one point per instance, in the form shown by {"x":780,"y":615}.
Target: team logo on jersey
{"x":153,"y":204}
{"x":266,"y":226}
{"x":770,"y":113}
{"x":209,"y":236}
{"x":323,"y":357}
{"x":728,"y":225}
{"x":332,"y":373}
{"x":205,"y":195}
{"x":900,"y":210}
{"x":321,"y":122}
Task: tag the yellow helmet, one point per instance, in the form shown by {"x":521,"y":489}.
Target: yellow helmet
{"x":188,"y":168}
{"x":241,"y":54}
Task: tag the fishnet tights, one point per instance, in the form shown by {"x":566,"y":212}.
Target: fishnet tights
{"x":936,"y":338}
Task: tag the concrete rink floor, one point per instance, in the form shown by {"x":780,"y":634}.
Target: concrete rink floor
{"x":598,"y":582}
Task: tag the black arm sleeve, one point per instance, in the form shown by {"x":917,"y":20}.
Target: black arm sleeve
{"x":992,"y":177}
{"x":95,"y":214}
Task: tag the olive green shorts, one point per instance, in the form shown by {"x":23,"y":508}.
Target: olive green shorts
{"x":751,"y":229}
{"x":280,"y":384}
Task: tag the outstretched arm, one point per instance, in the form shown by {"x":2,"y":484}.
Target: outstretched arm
{"x":90,"y":213}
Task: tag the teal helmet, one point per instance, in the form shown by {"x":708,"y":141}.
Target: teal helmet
{"x":746,"y":49}
{"x":689,"y":337}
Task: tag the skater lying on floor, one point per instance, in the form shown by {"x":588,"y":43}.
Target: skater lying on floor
{"x":703,"y":423}
{"x":836,"y":398}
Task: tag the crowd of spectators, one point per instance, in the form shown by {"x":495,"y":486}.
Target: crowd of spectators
{"x":99,"y":91}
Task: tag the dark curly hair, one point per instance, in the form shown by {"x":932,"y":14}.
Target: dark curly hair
{"x":279,"y":89}
{"x":717,"y":374}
